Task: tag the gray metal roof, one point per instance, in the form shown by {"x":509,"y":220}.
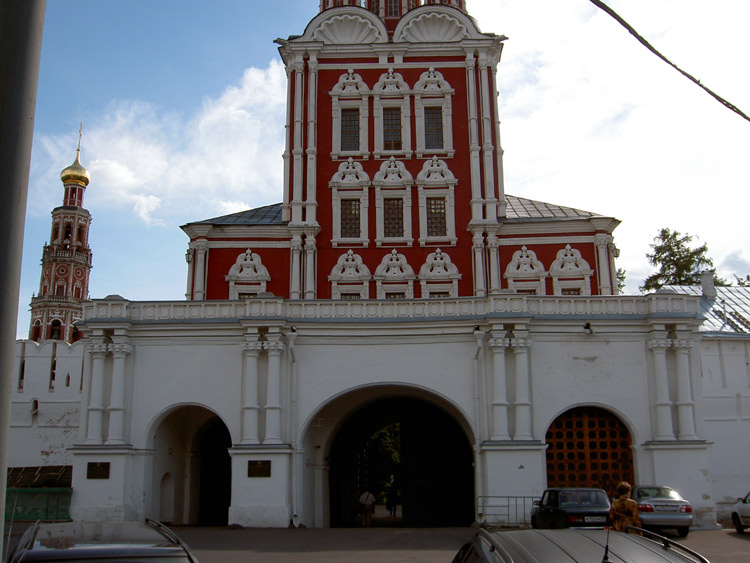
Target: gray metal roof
{"x":266,"y":215}
{"x":728,"y":313}
{"x":520,"y":208}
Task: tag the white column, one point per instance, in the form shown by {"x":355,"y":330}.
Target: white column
{"x":522,"y":403}
{"x":602,"y":246}
{"x":298,"y":148}
{"x":251,"y":351}
{"x":116,"y":434}
{"x":685,"y":405}
{"x":273,"y":391}
{"x":487,"y":147}
{"x":199,"y":291}
{"x":285,"y":213}
{"x":310,"y":288}
{"x":664,"y":430}
{"x":295,"y":291}
{"x":312,"y":134}
{"x":499,"y":394}
{"x":95,"y":409}
{"x":189,"y":256}
{"x":498,"y":147}
{"x":474,"y":147}
{"x":480,"y":285}
{"x":493,"y":248}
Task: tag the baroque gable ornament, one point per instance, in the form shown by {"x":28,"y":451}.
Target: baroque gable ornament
{"x":350,"y":173}
{"x":432,"y":82}
{"x":350,"y":84}
{"x":394,"y":267}
{"x":570,"y":262}
{"x":438,"y":266}
{"x":247,"y":276}
{"x":525,"y":265}
{"x":391,"y":83}
{"x":393,"y":172}
{"x":349,"y":267}
{"x":436,"y":171}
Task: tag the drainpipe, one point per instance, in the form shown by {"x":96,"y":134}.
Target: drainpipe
{"x":478,"y":458}
{"x":290,"y":338}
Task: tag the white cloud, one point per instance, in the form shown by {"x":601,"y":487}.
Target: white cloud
{"x":166,"y":169}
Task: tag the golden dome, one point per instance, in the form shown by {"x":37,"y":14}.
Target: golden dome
{"x":75,"y":172}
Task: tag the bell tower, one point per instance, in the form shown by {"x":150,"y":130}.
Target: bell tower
{"x":66,"y":262}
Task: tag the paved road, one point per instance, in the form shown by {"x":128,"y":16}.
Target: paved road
{"x":391,"y":545}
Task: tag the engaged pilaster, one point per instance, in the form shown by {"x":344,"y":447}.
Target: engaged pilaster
{"x":120,"y":352}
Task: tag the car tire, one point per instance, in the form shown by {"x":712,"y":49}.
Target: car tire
{"x":738,"y":524}
{"x":682,"y":531}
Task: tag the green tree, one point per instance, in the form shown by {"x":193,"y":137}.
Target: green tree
{"x":621,"y":275}
{"x":742,"y":282}
{"x":677,"y":262}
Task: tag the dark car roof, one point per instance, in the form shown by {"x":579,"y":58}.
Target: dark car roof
{"x":586,"y":546}
{"x":62,"y":541}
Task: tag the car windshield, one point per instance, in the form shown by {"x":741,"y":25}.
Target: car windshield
{"x":583,"y":497}
{"x":658,"y":492}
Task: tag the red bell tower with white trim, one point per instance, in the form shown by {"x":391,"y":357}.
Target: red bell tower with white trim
{"x":66,"y":263}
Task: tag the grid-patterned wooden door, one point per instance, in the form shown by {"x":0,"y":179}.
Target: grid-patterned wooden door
{"x":588,"y":447}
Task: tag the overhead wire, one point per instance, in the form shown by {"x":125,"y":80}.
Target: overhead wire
{"x":645,"y":43}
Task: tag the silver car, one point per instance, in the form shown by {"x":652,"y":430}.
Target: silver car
{"x":662,"y":507}
{"x":741,"y":514}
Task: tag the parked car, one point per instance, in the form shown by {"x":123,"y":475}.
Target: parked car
{"x":569,"y":546}
{"x":663,"y":508}
{"x":741,"y":514}
{"x":101,"y":541}
{"x":571,"y":508}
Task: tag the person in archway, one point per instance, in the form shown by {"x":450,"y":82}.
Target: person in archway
{"x":624,"y":510}
{"x":367,"y":506}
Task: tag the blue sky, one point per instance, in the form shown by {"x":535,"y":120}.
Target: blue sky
{"x":182,"y":104}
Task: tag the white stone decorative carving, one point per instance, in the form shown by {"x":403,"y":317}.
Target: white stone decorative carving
{"x":438,"y":276}
{"x":346,"y":29}
{"x":350,"y":277}
{"x":570,"y":273}
{"x":436,"y":172}
{"x":350,"y":84}
{"x":391,"y":83}
{"x":350,"y":173}
{"x":432,"y":26}
{"x":394,"y":277}
{"x":525,"y":273}
{"x":432,"y":82}
{"x":248,"y":276}
{"x":393,"y":173}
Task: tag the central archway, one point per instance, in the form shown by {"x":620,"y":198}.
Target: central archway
{"x":410,"y":445}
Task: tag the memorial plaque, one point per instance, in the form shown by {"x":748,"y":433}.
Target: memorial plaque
{"x":260,"y":468}
{"x":97,"y":470}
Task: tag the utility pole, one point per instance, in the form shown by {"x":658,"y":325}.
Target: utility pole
{"x":21,"y":26}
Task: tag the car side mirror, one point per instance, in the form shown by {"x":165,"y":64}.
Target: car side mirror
{"x":537,"y":503}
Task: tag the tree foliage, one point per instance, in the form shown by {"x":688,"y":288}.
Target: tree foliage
{"x":678,"y":263}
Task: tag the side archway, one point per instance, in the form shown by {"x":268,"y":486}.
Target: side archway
{"x":589,"y":447}
{"x":191,"y":469}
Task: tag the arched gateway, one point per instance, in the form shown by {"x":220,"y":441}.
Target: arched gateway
{"x":406,"y":451}
{"x":588,"y":447}
{"x":191,"y":472}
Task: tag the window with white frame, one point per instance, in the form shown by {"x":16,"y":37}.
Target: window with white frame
{"x":526,"y":274}
{"x":436,"y":186}
{"x":394,"y":278}
{"x":350,"y":113}
{"x":570,"y":273}
{"x":433,"y":113}
{"x":438,"y":276}
{"x":350,"y":278}
{"x":350,"y":199}
{"x":248,"y":276}
{"x":391,"y":116}
{"x":393,"y":205}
